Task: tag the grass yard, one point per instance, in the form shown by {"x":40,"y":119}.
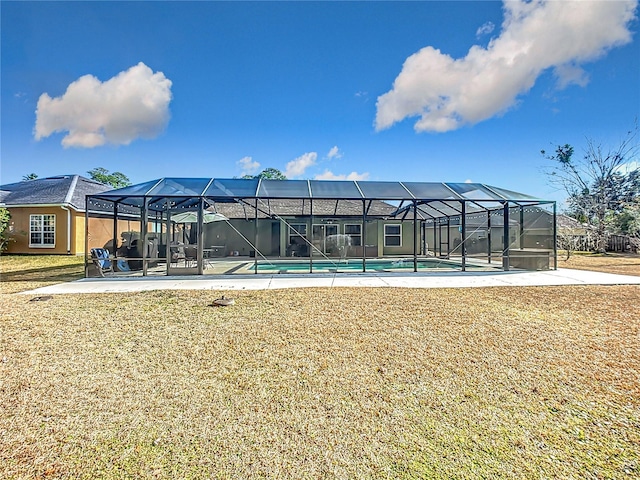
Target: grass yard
{"x":538,"y":382}
{"x":623,"y":264}
{"x":19,"y":273}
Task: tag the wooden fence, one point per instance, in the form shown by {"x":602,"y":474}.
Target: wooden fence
{"x":586,"y":243}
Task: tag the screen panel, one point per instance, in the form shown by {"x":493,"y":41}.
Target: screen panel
{"x":384,"y":190}
{"x":233,"y":187}
{"x":430,"y":191}
{"x":334,"y":189}
{"x":284,"y":189}
{"x":180,"y":187}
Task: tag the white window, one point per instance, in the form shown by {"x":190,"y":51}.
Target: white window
{"x":393,"y":235}
{"x":42,"y":231}
{"x":354,"y":231}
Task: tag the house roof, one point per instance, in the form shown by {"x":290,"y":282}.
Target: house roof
{"x":569,"y":224}
{"x":290,"y":207}
{"x":67,"y":190}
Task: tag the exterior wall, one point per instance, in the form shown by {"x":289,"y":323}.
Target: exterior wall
{"x":77,"y":232}
{"x":373,"y":238}
{"x":19,"y":229}
{"x":101,"y":232}
{"x":407,"y":238}
{"x":220,"y":234}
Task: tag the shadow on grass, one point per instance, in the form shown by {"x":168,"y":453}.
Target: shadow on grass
{"x":48,"y":274}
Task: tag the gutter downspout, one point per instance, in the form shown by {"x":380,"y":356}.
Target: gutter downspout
{"x":68,"y":228}
{"x":67,"y":201}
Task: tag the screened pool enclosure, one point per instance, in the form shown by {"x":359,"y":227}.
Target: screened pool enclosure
{"x":176,"y":226}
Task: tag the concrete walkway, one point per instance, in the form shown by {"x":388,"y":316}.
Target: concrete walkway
{"x":402,"y":280}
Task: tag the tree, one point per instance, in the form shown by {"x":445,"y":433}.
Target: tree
{"x":115,"y":179}
{"x":597,"y":185}
{"x":628,"y":223}
{"x":5,"y":216}
{"x":268,"y":173}
{"x":31,"y":176}
{"x":567,"y":242}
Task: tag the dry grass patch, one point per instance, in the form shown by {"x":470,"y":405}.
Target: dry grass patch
{"x":621,"y":263}
{"x":19,"y":273}
{"x":323,"y":383}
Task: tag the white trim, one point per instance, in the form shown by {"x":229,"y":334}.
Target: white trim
{"x":39,"y":205}
{"x":72,"y":188}
{"x":41,"y":231}
{"x":68,"y":229}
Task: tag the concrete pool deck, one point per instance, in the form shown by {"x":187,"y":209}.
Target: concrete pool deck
{"x":280,"y":281}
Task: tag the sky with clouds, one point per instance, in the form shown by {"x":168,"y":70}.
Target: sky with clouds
{"x":420,"y":91}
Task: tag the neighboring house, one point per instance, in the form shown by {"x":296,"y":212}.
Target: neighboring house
{"x":48,"y":214}
{"x":570,"y":226}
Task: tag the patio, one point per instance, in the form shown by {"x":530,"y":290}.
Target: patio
{"x":450,"y":279}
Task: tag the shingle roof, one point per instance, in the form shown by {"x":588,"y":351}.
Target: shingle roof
{"x":289,"y":207}
{"x":61,"y":190}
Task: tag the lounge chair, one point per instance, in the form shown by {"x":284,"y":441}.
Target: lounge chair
{"x":100,"y":258}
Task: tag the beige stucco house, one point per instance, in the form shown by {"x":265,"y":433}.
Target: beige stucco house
{"x":48,"y":214}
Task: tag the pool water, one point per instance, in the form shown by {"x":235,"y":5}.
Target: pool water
{"x":389,"y":265}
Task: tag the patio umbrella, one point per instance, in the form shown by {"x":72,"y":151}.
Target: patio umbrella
{"x":192,"y":217}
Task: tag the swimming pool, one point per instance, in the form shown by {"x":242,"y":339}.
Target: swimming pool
{"x":325,"y":266}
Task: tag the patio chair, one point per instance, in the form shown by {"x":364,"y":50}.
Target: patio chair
{"x":134,"y":256}
{"x":191,"y":256}
{"x":177,"y":253}
{"x":100,"y":258}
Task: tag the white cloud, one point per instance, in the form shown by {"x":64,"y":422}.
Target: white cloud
{"x":571,"y":74}
{"x":363,"y":95}
{"x":133,"y":104}
{"x":248,"y":165}
{"x":334,"y":153}
{"x":298,"y":166}
{"x":327,"y":175}
{"x":536,"y":35}
{"x":485,"y":29}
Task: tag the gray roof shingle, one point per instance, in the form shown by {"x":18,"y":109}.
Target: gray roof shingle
{"x":289,"y":207}
{"x":60,"y":190}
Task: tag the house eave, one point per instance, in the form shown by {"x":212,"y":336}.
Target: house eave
{"x":34,"y":205}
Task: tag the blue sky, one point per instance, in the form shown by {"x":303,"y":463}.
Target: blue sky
{"x":422,"y":91}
